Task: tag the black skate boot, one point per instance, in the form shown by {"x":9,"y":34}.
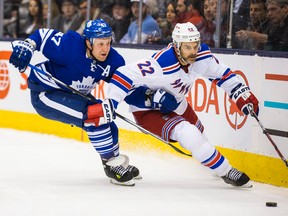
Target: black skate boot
{"x":237,"y":178}
{"x":118,"y":174}
{"x":135,"y":172}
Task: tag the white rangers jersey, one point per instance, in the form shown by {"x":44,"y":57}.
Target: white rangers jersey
{"x":163,"y":71}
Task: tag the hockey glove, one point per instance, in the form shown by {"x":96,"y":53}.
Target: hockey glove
{"x":244,"y":98}
{"x":165,"y":101}
{"x":22,"y":53}
{"x":101,"y":113}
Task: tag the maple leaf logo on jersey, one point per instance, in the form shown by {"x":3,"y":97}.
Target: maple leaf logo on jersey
{"x":85,"y":86}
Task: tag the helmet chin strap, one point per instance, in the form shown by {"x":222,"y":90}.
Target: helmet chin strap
{"x":179,"y":53}
{"x":94,"y":58}
{"x":178,"y":45}
{"x":91,"y":51}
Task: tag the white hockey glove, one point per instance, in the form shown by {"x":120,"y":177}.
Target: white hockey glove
{"x":244,"y":98}
{"x":22,"y":53}
{"x":101,"y":113}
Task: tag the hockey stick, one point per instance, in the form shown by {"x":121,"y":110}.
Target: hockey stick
{"x":88,"y":97}
{"x":252,"y":113}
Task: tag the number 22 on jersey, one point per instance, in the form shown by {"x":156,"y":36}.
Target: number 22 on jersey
{"x":146,"y":68}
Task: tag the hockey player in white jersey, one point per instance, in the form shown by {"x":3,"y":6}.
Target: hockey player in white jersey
{"x":79,"y":62}
{"x":156,"y":86}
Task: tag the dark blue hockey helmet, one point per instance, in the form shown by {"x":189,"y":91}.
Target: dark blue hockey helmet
{"x":97,"y":29}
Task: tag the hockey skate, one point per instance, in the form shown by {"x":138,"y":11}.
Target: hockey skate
{"x":118,"y":174}
{"x":123,"y":160}
{"x":237,"y":178}
{"x":135,"y":172}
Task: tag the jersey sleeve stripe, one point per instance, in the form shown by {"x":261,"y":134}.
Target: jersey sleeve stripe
{"x":59,"y":107}
{"x":203,"y":55}
{"x":43,"y":78}
{"x":158,"y":54}
{"x":45,"y":34}
{"x":121,"y":81}
{"x":199,"y":126}
{"x":169,"y":125}
{"x":228,"y":74}
{"x":171,"y":68}
{"x":200,"y":54}
{"x":120,"y":86}
{"x":214,"y":161}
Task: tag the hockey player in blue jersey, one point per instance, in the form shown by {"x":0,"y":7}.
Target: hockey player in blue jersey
{"x":155,"y":87}
{"x":79,"y":62}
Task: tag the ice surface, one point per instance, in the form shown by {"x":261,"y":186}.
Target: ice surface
{"x":44,"y":175}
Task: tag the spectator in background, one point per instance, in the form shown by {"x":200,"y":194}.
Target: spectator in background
{"x":34,"y":20}
{"x":59,"y":3}
{"x":149,"y":24}
{"x":210,"y":9}
{"x":183,"y":10}
{"x":205,"y":27}
{"x":70,"y":19}
{"x":162,"y":6}
{"x":120,"y":15}
{"x":104,"y":3}
{"x":95,"y":13}
{"x":210,"y":12}
{"x":189,"y":11}
{"x":154,"y":8}
{"x":275,"y":36}
{"x":166,"y":26}
{"x":193,"y":11}
{"x":277,"y":31}
{"x":54,"y":11}
{"x":11,"y":19}
{"x":224,"y":29}
{"x":23,"y":12}
{"x":240,"y":19}
{"x":258,"y":24}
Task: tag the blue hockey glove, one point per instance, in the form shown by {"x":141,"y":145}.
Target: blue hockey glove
{"x":21,"y":55}
{"x":244,"y":98}
{"x":165,"y":101}
{"x":100,"y":113}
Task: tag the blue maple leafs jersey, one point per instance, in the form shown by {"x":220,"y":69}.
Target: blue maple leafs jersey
{"x":69,"y":63}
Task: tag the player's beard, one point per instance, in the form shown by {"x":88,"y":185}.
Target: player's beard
{"x":190,"y":59}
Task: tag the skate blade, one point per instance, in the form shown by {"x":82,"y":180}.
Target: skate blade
{"x":137,"y":177}
{"x":130,"y":183}
{"x":247,"y":185}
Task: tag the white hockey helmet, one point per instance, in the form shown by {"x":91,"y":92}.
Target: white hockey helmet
{"x":185,"y":32}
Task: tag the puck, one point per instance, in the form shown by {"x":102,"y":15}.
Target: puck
{"x":271,"y":204}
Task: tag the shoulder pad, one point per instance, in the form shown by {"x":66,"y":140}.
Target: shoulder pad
{"x":167,"y":60}
{"x":203,"y":52}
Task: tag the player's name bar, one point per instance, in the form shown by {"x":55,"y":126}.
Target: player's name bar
{"x":277,"y":132}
